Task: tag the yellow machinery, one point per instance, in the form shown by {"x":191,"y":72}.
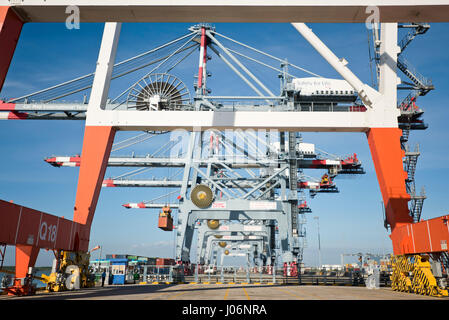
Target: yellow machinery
{"x":412,"y":273}
{"x":72,"y":272}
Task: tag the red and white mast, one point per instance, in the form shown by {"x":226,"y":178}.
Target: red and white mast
{"x":202,"y":62}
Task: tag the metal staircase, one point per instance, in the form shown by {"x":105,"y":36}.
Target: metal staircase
{"x":417,"y":201}
{"x":410,"y":116}
{"x":423,"y":84}
{"x":293,"y":179}
{"x":411,"y":158}
{"x":417,"y":29}
{"x":420,"y":83}
{"x":405,"y":135}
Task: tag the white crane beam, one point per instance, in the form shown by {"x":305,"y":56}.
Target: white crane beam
{"x":200,"y":120}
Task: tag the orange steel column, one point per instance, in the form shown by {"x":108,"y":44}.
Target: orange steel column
{"x":387,"y":156}
{"x":97,"y":146}
{"x":26,"y":256}
{"x":10,"y":28}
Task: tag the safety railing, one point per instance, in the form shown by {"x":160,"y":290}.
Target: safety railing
{"x":259,"y":275}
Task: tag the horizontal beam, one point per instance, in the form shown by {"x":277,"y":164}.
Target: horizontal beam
{"x":238,"y":238}
{"x":111,"y":183}
{"x":238,"y":228}
{"x":141,"y":205}
{"x":427,"y":236}
{"x":20,"y":225}
{"x":205,"y":120}
{"x":232,"y":10}
{"x":75,"y":161}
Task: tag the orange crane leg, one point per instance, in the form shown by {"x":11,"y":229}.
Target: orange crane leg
{"x":26,"y":256}
{"x":10,"y":29}
{"x":387,"y":156}
{"x":97,"y":146}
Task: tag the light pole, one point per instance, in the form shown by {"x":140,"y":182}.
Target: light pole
{"x":319,"y":242}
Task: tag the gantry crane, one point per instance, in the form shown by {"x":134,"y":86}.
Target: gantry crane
{"x":411,"y":269}
{"x":376,"y":117}
{"x":221,"y":166}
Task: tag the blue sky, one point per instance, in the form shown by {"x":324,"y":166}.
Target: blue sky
{"x":350,"y":221}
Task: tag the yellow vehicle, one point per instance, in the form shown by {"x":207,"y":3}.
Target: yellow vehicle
{"x":72,"y":272}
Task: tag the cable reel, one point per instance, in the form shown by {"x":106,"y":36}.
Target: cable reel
{"x":158,"y":91}
{"x":222,"y":244}
{"x":213,"y":224}
{"x":202,"y":196}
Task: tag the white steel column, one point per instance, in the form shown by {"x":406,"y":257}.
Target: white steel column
{"x":389,"y":50}
{"x":105,"y":64}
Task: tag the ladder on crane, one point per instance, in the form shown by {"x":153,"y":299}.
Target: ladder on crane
{"x":420,"y":85}
{"x":410,"y":161}
{"x":405,"y":135}
{"x":293,"y":179}
{"x":417,"y":202}
{"x":417,"y":29}
{"x":423,"y":84}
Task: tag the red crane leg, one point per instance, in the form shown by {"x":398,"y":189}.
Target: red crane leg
{"x":26,"y":256}
{"x":10,"y":28}
{"x":97,"y":146}
{"x":387,"y":156}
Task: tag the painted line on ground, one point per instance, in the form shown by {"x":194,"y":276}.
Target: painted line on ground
{"x":177,"y":295}
{"x":226,"y":293}
{"x":246,"y":294}
{"x":290,"y":293}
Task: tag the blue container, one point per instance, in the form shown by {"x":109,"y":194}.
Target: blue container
{"x":118,"y":279}
{"x":118,"y":270}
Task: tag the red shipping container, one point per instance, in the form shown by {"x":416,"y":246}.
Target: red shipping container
{"x":165,"y":223}
{"x":165,"y":219}
{"x":165,"y":262}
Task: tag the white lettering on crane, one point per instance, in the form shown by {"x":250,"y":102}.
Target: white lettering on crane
{"x":47,"y":232}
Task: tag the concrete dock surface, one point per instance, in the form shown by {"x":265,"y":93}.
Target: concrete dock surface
{"x":225,"y":292}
